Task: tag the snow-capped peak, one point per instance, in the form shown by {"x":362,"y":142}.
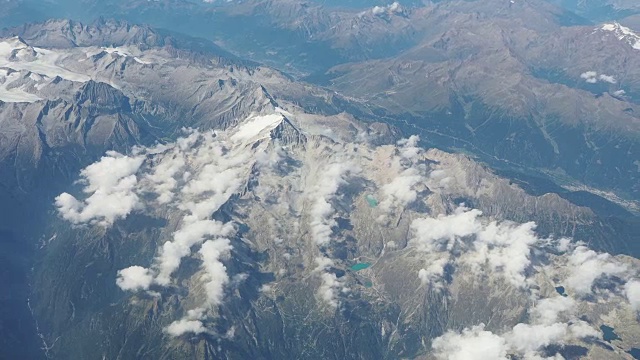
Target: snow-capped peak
{"x":623,"y":33}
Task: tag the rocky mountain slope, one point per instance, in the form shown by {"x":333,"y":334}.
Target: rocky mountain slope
{"x":273,"y":239}
{"x":536,"y":75}
{"x":187,"y":204}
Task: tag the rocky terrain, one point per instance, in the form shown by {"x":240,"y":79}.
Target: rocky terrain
{"x":486,"y":77}
{"x":437,"y":180}
{"x":188,"y":204}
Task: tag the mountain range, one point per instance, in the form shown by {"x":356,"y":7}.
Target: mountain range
{"x":291,"y":179}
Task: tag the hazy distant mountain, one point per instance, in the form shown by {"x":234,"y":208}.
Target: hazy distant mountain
{"x":601,"y":10}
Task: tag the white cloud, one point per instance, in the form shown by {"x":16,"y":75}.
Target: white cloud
{"x":208,"y":195}
{"x":503,"y":247}
{"x":409,"y":148}
{"x":506,"y":247}
{"x":547,"y":310}
{"x":190,"y":234}
{"x":580,"y":330}
{"x":394,"y":8}
{"x":191,"y":323}
{"x":377,"y":10}
{"x":527,"y":339}
{"x":590,"y":77}
{"x":431,"y":234}
{"x":183,"y":326}
{"x":632,"y":291}
{"x":475,"y":343}
{"x":585,"y":266}
{"x":134,"y":278}
{"x":434,"y":272}
{"x":401,"y":191}
{"x":328,"y":288}
{"x":111,"y":183}
{"x":563,"y":244}
{"x":607,"y":78}
{"x":323,"y":262}
{"x":324,"y":191}
{"x":321,"y":228}
{"x":270,"y":157}
{"x":216,"y":273}
{"x":163,"y":176}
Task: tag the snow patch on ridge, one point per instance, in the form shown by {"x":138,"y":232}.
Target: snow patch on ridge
{"x":623,"y":33}
{"x":17,"y":55}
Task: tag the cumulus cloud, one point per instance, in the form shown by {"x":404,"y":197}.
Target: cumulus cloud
{"x":619,"y":93}
{"x":163,"y":178}
{"x":328,"y":288}
{"x":321,"y":224}
{"x":322,"y":211}
{"x":632,"y":291}
{"x":563,"y":244}
{"x":323,"y":263}
{"x":585,"y":266}
{"x":270,"y":157}
{"x":580,"y":329}
{"x":208,"y":169}
{"x":528,"y":339}
{"x":592,"y":77}
{"x":196,"y":176}
{"x":547,"y":310}
{"x":219,"y":175}
{"x":409,"y":148}
{"x":474,"y":343}
{"x":187,"y":236}
{"x":215,"y":272}
{"x":393,"y":8}
{"x":378,"y":10}
{"x":434,"y":272}
{"x":111,"y":185}
{"x":439,"y":233}
{"x":184,"y":326}
{"x":134,"y":278}
{"x":401,"y":191}
{"x":502,"y":247}
{"x":607,"y":78}
{"x":524,"y":340}
{"x":191,"y":323}
{"x":506,"y":247}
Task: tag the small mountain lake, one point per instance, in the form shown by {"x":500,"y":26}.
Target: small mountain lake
{"x":560,"y":290}
{"x":372,"y":201}
{"x":608,"y":333}
{"x":360,"y":266}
